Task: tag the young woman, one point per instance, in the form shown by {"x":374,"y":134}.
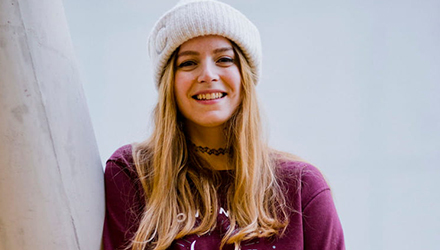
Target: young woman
{"x":206,"y":178}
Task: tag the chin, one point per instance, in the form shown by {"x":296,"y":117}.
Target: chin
{"x":210,"y":122}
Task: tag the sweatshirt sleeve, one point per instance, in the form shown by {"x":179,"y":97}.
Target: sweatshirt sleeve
{"x":123,"y":200}
{"x":321,"y":226}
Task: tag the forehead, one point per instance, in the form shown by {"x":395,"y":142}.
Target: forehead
{"x":205,"y":43}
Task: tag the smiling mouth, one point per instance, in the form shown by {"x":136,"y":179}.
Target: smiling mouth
{"x":210,"y":96}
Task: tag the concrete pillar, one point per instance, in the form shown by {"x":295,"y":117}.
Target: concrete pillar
{"x":51,"y":180}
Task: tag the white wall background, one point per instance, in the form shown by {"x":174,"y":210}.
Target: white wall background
{"x":351,"y":86}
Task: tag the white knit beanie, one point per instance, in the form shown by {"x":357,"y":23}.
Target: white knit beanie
{"x":193,"y":18}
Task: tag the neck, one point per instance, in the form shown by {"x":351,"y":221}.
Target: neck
{"x":213,"y":138}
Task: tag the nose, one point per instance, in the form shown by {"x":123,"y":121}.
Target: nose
{"x":208,"y":73}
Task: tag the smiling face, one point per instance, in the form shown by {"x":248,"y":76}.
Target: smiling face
{"x":207,"y":81}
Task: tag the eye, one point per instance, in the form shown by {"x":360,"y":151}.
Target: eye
{"x":186,"y":64}
{"x":226,"y":61}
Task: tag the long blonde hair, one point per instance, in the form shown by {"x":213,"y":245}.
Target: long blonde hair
{"x":177,"y":182}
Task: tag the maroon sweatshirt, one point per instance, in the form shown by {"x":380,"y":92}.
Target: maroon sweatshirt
{"x":314,"y":223}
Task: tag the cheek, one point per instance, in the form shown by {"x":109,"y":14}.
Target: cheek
{"x":180,"y":86}
{"x":235,"y":82}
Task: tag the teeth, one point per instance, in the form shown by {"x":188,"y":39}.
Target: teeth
{"x":209,"y":96}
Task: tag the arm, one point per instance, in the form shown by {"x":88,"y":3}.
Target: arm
{"x":123,"y":200}
{"x":321,"y":225}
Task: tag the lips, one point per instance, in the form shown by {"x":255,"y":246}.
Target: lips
{"x":209,"y":96}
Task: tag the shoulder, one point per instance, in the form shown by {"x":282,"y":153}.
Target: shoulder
{"x":122,"y":154}
{"x":309,"y":194}
{"x":303,"y":178}
{"x":120,"y":176}
{"x":304,"y":171}
{"x":120,"y":162}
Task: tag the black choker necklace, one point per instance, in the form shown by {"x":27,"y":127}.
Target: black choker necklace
{"x":211,"y":151}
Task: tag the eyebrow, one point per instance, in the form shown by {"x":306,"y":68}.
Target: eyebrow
{"x":224,"y":49}
{"x":195,"y":53}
